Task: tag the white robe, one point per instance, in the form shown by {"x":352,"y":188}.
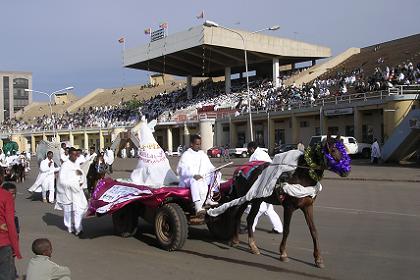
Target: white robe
{"x":70,"y":187}
{"x":260,"y":155}
{"x":193,"y":163}
{"x":109,"y":157}
{"x":46,"y":173}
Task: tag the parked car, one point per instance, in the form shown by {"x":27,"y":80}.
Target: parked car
{"x":353,"y":147}
{"x":284,"y":148}
{"x":214,"y":152}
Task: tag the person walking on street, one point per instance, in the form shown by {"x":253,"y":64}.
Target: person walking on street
{"x":375,"y":152}
{"x":70,"y":195}
{"x":9,"y":245}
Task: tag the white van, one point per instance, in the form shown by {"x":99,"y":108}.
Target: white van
{"x":351,"y":144}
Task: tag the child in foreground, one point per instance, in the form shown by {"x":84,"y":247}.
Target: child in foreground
{"x":40,"y":267}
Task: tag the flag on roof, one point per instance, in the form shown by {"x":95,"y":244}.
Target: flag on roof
{"x":200,"y":15}
{"x":163,"y":25}
{"x":121,"y":40}
{"x":148,"y":31}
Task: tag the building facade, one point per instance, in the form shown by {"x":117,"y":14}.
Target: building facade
{"x":13,"y":96}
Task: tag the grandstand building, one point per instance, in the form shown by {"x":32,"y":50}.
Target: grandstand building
{"x":359,"y":101}
{"x":13,"y":96}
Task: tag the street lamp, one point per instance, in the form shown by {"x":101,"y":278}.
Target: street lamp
{"x":49,"y":103}
{"x":210,"y":23}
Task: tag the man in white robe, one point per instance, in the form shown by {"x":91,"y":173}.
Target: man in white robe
{"x":109,"y":158}
{"x":195,"y":171}
{"x":43,"y":181}
{"x":153,"y":168}
{"x":70,"y":195}
{"x":258,"y":154}
{"x":48,"y":170}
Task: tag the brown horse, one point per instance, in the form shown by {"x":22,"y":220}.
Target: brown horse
{"x":300,"y":176}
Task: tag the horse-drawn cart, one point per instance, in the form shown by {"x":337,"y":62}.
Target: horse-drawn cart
{"x":169,"y":209}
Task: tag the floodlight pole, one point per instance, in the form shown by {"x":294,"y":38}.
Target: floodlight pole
{"x":214,"y":24}
{"x":49,"y":103}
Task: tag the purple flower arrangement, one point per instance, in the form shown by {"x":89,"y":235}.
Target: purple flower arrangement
{"x":342,"y":167}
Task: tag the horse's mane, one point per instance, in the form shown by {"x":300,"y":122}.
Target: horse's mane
{"x":301,"y":174}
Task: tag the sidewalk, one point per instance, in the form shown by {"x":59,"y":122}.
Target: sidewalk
{"x":364,"y":171}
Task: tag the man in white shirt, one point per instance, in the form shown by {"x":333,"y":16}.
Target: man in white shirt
{"x":48,"y":170}
{"x":70,"y":195}
{"x":92,"y":154}
{"x":63,"y":155}
{"x":258,"y":154}
{"x":195,"y":170}
{"x":11,"y":159}
{"x":80,"y":157}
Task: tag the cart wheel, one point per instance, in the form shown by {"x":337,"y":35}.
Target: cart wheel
{"x":171,"y":227}
{"x":125,"y":221}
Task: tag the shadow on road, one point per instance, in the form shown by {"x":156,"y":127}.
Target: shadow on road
{"x":256,"y":265}
{"x":54,"y":220}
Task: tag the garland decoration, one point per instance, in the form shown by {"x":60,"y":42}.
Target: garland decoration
{"x":341,"y":167}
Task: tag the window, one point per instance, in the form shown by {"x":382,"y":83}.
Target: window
{"x":304,"y":124}
{"x":279,"y":136}
{"x":351,"y":140}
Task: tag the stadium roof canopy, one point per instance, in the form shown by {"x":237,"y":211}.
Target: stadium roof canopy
{"x":207,"y":51}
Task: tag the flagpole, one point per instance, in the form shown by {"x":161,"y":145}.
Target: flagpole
{"x":122,"y":61}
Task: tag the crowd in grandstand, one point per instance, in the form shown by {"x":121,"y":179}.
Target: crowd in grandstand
{"x":264,"y":97}
{"x":101,"y":117}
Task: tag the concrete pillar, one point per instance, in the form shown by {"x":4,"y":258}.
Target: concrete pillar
{"x":293,"y":66}
{"x":58,"y":139}
{"x":33,"y":145}
{"x":207,"y":135}
{"x":86,"y":141}
{"x":189,"y":87}
{"x":44,"y":136}
{"x":271,"y":133}
{"x":169,"y":139}
{"x":101,"y":140}
{"x":313,"y":62}
{"x":71,"y":139}
{"x":248,"y":131}
{"x":218,"y":133}
{"x":358,"y":123}
{"x":227,"y":79}
{"x":276,"y":72}
{"x":323,"y":128}
{"x":186,"y":136}
{"x":233,"y":135}
{"x":295,"y":129}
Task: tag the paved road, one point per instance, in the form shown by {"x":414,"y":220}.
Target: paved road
{"x":368,"y":230}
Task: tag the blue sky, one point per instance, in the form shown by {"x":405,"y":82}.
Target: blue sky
{"x":76,"y":42}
